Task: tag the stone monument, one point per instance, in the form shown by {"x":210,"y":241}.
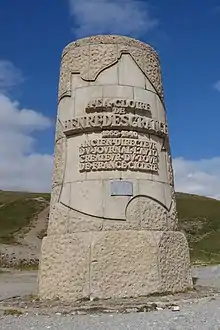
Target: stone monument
{"x":112,"y":228}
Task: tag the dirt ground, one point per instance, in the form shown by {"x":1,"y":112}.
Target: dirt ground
{"x":26,"y":251}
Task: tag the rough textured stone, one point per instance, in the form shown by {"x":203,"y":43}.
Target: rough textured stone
{"x":59,"y":163}
{"x":111,"y":131}
{"x":65,"y":270}
{"x":150,"y":214}
{"x":58,"y":219}
{"x":173,"y":262}
{"x":133,"y":263}
{"x":89,"y":56}
{"x":114,"y":264}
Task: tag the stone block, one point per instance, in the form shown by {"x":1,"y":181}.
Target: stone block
{"x":77,"y":82}
{"x":72,"y":173}
{"x":87,"y":197}
{"x":124,"y":264}
{"x":58,"y":219}
{"x":129,"y":72}
{"x":147,"y":96}
{"x":149,"y":86}
{"x":118,"y":91}
{"x":65,"y":267}
{"x":66,"y":108}
{"x":79,"y":222}
{"x":109,"y":77}
{"x":154,"y":189}
{"x":150,"y":214}
{"x":161,"y":112}
{"x":114,"y":264}
{"x":84,"y":95}
{"x":114,"y":207}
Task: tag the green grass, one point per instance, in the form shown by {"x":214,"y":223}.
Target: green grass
{"x":10,"y":196}
{"x":22,"y":267}
{"x":199,"y":218}
{"x":2,"y":271}
{"x":16,"y":211}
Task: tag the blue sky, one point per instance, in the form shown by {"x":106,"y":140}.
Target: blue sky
{"x":186,"y":35}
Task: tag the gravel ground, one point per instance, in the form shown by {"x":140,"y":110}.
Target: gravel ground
{"x":24,"y":283}
{"x":202,"y":314}
{"x":209,"y":275}
{"x":17,"y":284}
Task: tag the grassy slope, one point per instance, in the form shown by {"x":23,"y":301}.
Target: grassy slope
{"x":16,"y":211}
{"x":199,"y":218}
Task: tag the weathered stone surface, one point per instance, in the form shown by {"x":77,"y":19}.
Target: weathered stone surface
{"x":173,"y":262}
{"x":114,"y":264}
{"x":148,"y":212}
{"x":58,"y":219}
{"x":89,"y":56}
{"x":59,"y":161}
{"x":134,"y":263}
{"x":113,"y":219}
{"x":64,"y":272}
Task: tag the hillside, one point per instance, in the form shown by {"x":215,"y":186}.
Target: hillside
{"x":17,"y":209}
{"x":199,"y":218}
{"x":23,"y":221}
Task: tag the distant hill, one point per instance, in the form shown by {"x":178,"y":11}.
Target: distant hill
{"x":17,"y":209}
{"x":199,"y":217}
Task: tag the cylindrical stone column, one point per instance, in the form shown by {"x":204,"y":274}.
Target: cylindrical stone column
{"x":113,"y":223}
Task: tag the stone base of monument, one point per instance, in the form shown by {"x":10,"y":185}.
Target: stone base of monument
{"x":114,"y":264}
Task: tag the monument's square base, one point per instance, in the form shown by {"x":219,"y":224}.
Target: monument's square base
{"x":113,"y":264}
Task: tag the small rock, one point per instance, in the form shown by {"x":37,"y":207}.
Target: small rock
{"x":159,"y":308}
{"x":58,"y":313}
{"x":176,"y":308}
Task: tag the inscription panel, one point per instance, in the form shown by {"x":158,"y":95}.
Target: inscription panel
{"x":121,"y":188}
{"x":119,"y":122}
{"x":118,"y":154}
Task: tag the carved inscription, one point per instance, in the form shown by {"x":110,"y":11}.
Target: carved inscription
{"x":118,"y":154}
{"x":119,"y":148}
{"x":117,"y":105}
{"x":100,"y":121}
{"x":124,"y":134}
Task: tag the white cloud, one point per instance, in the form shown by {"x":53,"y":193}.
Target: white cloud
{"x":21,"y":167}
{"x":24,"y":120}
{"x":9,"y":75}
{"x":126,"y":17}
{"x":217,"y":86}
{"x":200,"y":177}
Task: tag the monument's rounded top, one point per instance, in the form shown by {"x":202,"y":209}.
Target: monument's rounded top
{"x":109,"y":39}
